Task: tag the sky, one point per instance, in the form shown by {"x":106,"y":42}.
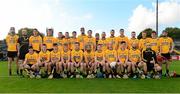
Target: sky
{"x":97,"y":15}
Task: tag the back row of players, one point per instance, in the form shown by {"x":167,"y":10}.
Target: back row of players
{"x":86,"y":53}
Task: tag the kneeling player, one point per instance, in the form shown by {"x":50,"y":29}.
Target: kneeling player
{"x":137,"y":64}
{"x":44,"y":60}
{"x":111,"y":59}
{"x":55,"y":61}
{"x":89,"y":61}
{"x":77,"y":60}
{"x":124,"y":67}
{"x":30,"y":64}
{"x":149,"y":56}
{"x":100,"y":59}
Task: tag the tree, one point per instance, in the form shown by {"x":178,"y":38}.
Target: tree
{"x":29,"y":32}
{"x":148,"y":31}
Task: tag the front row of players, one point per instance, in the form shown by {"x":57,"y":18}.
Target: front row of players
{"x":106,"y":64}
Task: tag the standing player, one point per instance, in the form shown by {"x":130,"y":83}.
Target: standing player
{"x":49,"y":39}
{"x":90,"y":40}
{"x":136,"y":62}
{"x":121,"y":38}
{"x":143,"y":41}
{"x":133,"y":40}
{"x":154,"y":42}
{"x":12,"y":48}
{"x":124,"y":67}
{"x":30,"y":64}
{"x":99,"y":58}
{"x":103,"y":41}
{"x":112,"y":39}
{"x":59,"y":41}
{"x":73,"y":40}
{"x":77,"y":60}
{"x":111,"y":58}
{"x":65,"y":59}
{"x":44,"y":59}
{"x":55,"y":60}
{"x":82,"y":37}
{"x":89,"y":60}
{"x":35,"y":41}
{"x":66,"y":40}
{"x":23,"y":48}
{"x":166,"y":48}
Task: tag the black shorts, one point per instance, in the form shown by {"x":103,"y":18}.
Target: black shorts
{"x":167,"y":56}
{"x":30,"y":65}
{"x":50,"y":50}
{"x":22,"y":55}
{"x":150,"y":66}
{"x":12,"y":54}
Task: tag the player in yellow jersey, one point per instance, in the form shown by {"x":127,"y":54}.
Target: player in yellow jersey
{"x":121,"y":38}
{"x":12,"y":48}
{"x":82,"y":37}
{"x":73,"y":40}
{"x":65,"y":59}
{"x":111,"y":60}
{"x":99,"y":58}
{"x":124,"y":67}
{"x":91,"y":66}
{"x":136,"y":61}
{"x":66,"y":40}
{"x":59,"y":41}
{"x":166,"y":48}
{"x":49,"y":40}
{"x":103,"y":41}
{"x":35,"y":41}
{"x":143,"y":41}
{"x":44,"y":59}
{"x":112,"y":39}
{"x":133,"y":39}
{"x":90,"y":40}
{"x":30,"y":64}
{"x":77,"y":60}
{"x":154,"y":42}
{"x":55,"y":61}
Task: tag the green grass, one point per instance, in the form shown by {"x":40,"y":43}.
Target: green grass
{"x":15,"y":84}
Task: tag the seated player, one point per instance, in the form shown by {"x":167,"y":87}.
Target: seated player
{"x":124,"y":67}
{"x":100,"y":59}
{"x":137,"y":64}
{"x":89,"y":61}
{"x":149,"y":56}
{"x":65,"y":59}
{"x":30,"y":64}
{"x":44,"y":59}
{"x":77,"y":60}
{"x":55,"y":60}
{"x":111,"y":58}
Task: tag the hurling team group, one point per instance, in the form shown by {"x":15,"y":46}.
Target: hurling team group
{"x":86,"y":56}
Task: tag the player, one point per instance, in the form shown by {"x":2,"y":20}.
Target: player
{"x":35,"y":41}
{"x":30,"y":64}
{"x":44,"y":59}
{"x":154,"y":42}
{"x":49,"y":40}
{"x":89,"y":60}
{"x":12,"y":48}
{"x":133,"y":39}
{"x":136,"y":62}
{"x":110,"y":57}
{"x":82,"y":37}
{"x":121,"y":38}
{"x":143,"y":41}
{"x":100,"y":59}
{"x":124,"y":67}
{"x":112,"y":39}
{"x":55,"y":60}
{"x":77,"y":60}
{"x":73,"y":40}
{"x":166,"y":48}
{"x":59,"y":41}
{"x":90,"y":40}
{"x":149,"y":56}
{"x":66,"y":40}
{"x":23,"y":42}
{"x":103,"y":41}
{"x":65,"y":59}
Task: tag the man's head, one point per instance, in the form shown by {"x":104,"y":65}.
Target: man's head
{"x":153,"y":34}
{"x":88,"y":48}
{"x":50,"y":32}
{"x":60,"y":35}
{"x":55,"y":47}
{"x":144,"y":34}
{"x":97,"y":35}
{"x":66,"y":34}
{"x":89,"y":32}
{"x":82,"y":29}
{"x":121,"y":32}
{"x":65,"y":47}
{"x":133,"y":34}
{"x":103,"y":35}
{"x":35,"y":32}
{"x":24,"y":32}
{"x":110,"y":45}
{"x":74,"y":34}
{"x":112,"y":32}
{"x":12,"y":31}
{"x":165,"y":33}
{"x":99,"y":47}
{"x":44,"y":47}
{"x":123,"y":44}
{"x":77,"y":45}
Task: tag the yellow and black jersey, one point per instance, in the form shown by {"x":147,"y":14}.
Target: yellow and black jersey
{"x":133,"y":40}
{"x":89,"y":56}
{"x":12,"y":42}
{"x":111,"y":55}
{"x":49,"y":41}
{"x":165,"y":44}
{"x":31,"y":58}
{"x":123,"y":55}
{"x":44,"y":56}
{"x":35,"y":42}
{"x":77,"y":56}
{"x":134,"y":55}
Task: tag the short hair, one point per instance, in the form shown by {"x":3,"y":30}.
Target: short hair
{"x":121,"y":30}
{"x":90,"y":31}
{"x":43,"y":44}
{"x":133,"y":32}
{"x":35,"y":29}
{"x":55,"y":44}
{"x":153,"y":32}
{"x":123,"y":42}
{"x":77,"y":43}
{"x":112,"y":30}
{"x":74,"y":32}
{"x":165,"y":31}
